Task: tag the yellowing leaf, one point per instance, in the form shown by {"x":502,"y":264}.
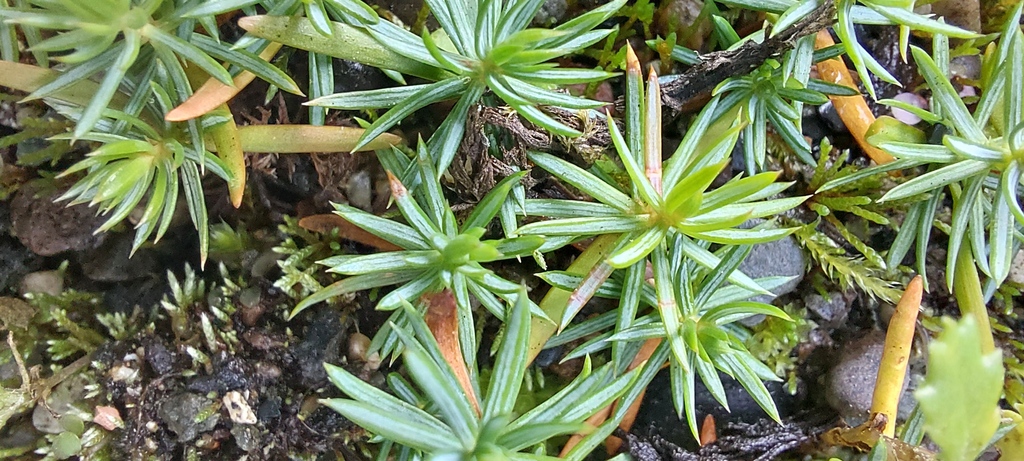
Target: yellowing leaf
{"x":960,"y":393}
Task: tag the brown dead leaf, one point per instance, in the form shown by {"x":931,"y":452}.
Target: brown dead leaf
{"x":324,"y":223}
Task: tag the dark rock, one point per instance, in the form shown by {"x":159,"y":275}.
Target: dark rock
{"x":548,"y":356}
{"x":269,"y":409}
{"x":832,"y":310}
{"x":111,"y":262}
{"x":321,"y":343}
{"x":828,"y":113}
{"x":159,"y":358}
{"x":181,"y":411}
{"x":125,"y":296}
{"x":779,"y":258}
{"x":49,"y":228}
{"x":229,"y":374}
{"x":354,"y":76}
{"x":246,"y":437}
{"x":550,"y":13}
{"x":850,"y":385}
{"x":17,"y":261}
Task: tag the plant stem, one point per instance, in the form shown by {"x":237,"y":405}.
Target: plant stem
{"x":852,"y":109}
{"x":893,"y":368}
{"x":970,"y":298}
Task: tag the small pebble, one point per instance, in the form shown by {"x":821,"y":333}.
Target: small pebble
{"x":358,"y":344}
{"x":108,"y":418}
{"x":828,"y":113}
{"x":47,"y":282}
{"x":238,"y":409}
{"x":358,"y":190}
{"x":913,"y":99}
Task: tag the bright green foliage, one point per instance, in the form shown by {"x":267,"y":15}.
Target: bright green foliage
{"x":436,"y":254}
{"x":484,"y":45}
{"x":695,"y":316}
{"x":848,"y":13}
{"x":666,"y":210}
{"x":138,"y":160}
{"x":848,"y":272}
{"x":960,"y":393}
{"x":117,"y":38}
{"x":669,"y":221}
{"x":775,"y":93}
{"x":440,"y":421}
{"x":319,"y":14}
{"x":981,"y":160}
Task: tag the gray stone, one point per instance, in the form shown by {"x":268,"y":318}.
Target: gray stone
{"x":850,"y":385}
{"x":550,"y":13}
{"x":832,"y":310}
{"x":180,"y":412}
{"x":246,"y":437}
{"x":779,"y":258}
{"x":359,"y":191}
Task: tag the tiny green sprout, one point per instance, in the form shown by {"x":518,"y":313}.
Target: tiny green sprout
{"x":666,"y":207}
{"x":483,"y":45}
{"x":441,"y":420}
{"x":775,"y":93}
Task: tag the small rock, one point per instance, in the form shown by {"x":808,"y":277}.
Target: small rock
{"x":47,"y":282}
{"x":269,"y":410}
{"x":359,"y":190}
{"x":779,"y":258}
{"x":850,"y":385}
{"x":831,"y":310}
{"x":321,"y":343}
{"x":108,"y":417}
{"x":550,"y":13}
{"x":16,"y":261}
{"x":1017,"y":268}
{"x":111,"y":261}
{"x":15,"y":313}
{"x":966,"y":67}
{"x":49,"y":228}
{"x":354,"y":76}
{"x":230,"y":374}
{"x":238,"y":409}
{"x":246,"y":437}
{"x":358,"y":344}
{"x":181,"y":411}
{"x":828,"y":113}
{"x":913,"y":99}
{"x":159,"y":358}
